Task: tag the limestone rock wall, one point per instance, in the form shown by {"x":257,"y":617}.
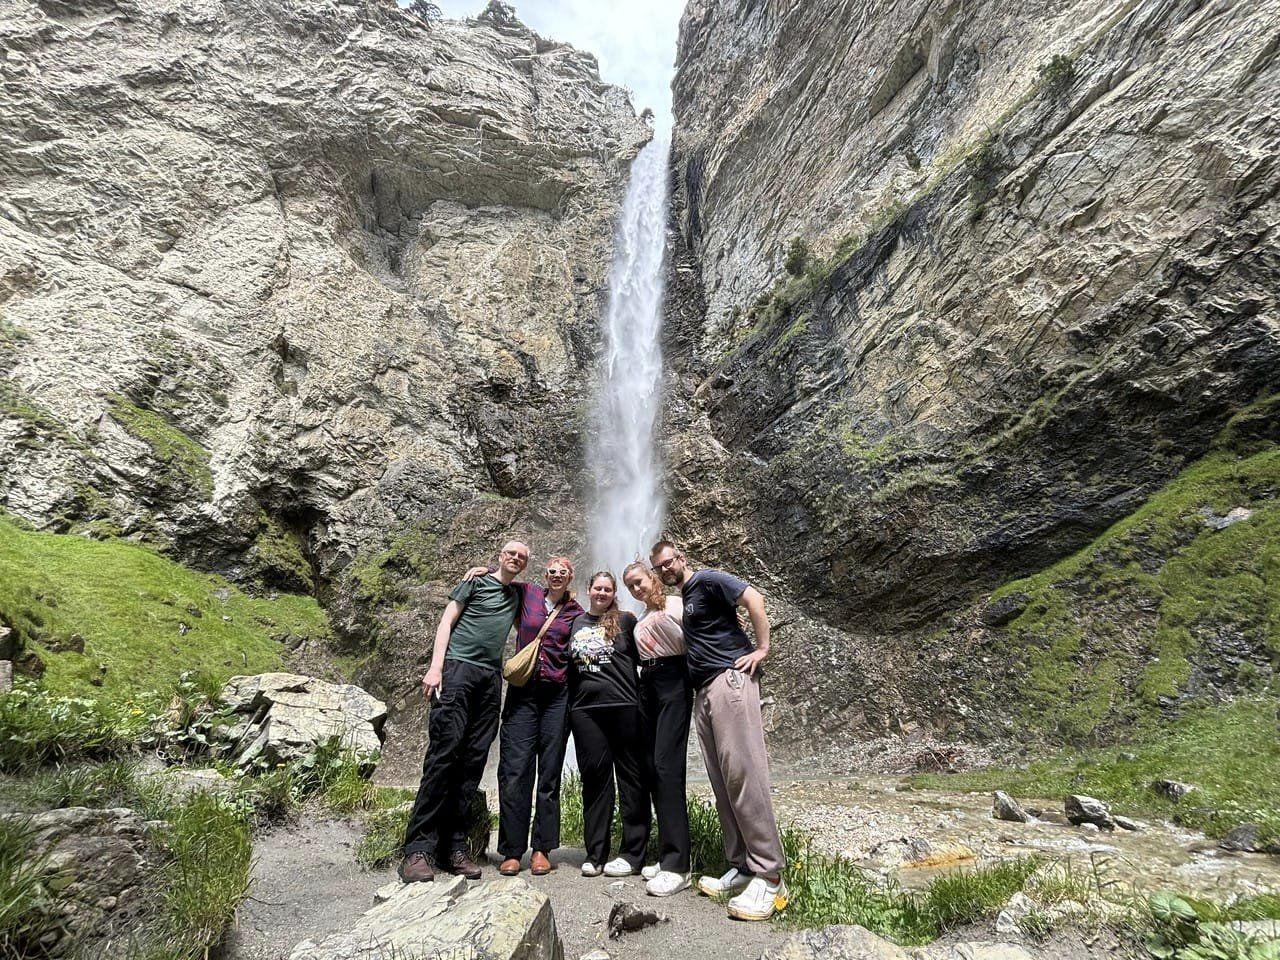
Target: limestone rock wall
{"x":1045,"y":275}
{"x":307,"y":292}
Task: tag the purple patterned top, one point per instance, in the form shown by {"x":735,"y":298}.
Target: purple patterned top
{"x":553,"y":657}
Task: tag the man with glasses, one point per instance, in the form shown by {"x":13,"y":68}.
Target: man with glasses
{"x":726,"y":713}
{"x":464,"y":687}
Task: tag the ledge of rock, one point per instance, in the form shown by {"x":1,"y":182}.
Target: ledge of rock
{"x":500,"y":919}
{"x":285,"y":716}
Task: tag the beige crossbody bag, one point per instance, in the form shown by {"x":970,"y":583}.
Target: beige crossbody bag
{"x":519,"y":669}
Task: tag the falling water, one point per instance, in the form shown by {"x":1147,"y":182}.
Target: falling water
{"x":627,"y":512}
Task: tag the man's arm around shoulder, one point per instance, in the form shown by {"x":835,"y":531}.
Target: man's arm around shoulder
{"x":753,"y":602}
{"x":433,"y":682}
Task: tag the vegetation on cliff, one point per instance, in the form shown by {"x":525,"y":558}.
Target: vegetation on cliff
{"x":113,"y":619}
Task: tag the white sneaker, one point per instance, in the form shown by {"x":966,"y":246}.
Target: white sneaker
{"x":665,"y":883}
{"x":590,"y":869}
{"x":651,"y":871}
{"x":732,"y":880}
{"x":759,"y":900}
{"x":618,"y":867}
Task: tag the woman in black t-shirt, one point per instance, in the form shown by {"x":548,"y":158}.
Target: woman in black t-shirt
{"x":604,"y":715}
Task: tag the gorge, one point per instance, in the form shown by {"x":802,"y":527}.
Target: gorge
{"x":957,"y":295}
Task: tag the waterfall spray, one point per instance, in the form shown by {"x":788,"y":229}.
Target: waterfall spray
{"x":627,"y":511}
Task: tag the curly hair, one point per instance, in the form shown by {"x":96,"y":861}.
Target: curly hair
{"x":655,"y":598}
{"x":611,"y":618}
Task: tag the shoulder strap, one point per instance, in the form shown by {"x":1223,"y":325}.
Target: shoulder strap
{"x":551,"y":618}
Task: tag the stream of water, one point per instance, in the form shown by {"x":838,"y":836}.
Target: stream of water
{"x":628,"y":506}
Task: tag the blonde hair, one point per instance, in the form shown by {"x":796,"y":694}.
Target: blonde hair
{"x":611,"y":618}
{"x":655,"y":598}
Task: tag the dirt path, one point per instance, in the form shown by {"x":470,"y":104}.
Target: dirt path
{"x":306,"y":883}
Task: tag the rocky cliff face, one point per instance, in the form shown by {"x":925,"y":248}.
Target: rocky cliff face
{"x":304,"y":291}
{"x":1041,"y":276}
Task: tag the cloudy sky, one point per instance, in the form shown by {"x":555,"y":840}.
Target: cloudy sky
{"x":635,"y":41}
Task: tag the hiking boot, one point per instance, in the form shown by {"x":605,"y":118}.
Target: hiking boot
{"x":619,"y":867}
{"x":509,"y":867}
{"x":759,"y":900}
{"x":462,"y":865}
{"x":540,"y":864}
{"x":732,"y":880}
{"x":416,"y":868}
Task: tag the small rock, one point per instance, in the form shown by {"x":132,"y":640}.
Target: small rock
{"x":596,"y":955}
{"x":1233,"y":516}
{"x":626,"y":917}
{"x":6,"y":676}
{"x":1124,"y":823}
{"x":1173,"y":789}
{"x":1244,"y":837}
{"x":1090,"y":827}
{"x":1081,"y":809}
{"x":1018,"y":908}
{"x":1004,"y":807}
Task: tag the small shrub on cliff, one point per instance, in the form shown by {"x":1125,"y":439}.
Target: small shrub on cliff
{"x":984,"y":163}
{"x":798,"y":257}
{"x":1057,"y":73}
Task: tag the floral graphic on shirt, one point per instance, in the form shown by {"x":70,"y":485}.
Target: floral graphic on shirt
{"x":590,"y":650}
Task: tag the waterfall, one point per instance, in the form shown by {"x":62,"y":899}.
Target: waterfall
{"x":628,"y":508}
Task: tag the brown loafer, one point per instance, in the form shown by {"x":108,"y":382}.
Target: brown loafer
{"x":540,"y":864}
{"x":416,"y":868}
{"x":462,"y":865}
{"x":509,"y":867}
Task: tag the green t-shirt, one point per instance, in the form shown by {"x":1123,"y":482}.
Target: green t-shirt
{"x":488,"y":611}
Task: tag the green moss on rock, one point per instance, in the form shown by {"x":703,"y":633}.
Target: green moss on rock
{"x":143,"y":619}
{"x":185,"y":462}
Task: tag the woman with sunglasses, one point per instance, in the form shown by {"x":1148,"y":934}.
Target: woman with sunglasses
{"x":666,"y":705}
{"x":535,"y":724}
{"x":605,"y":716}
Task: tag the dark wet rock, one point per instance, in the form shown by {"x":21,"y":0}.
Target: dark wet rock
{"x":1006,"y":608}
{"x":1248,"y":837}
{"x":1124,"y":823}
{"x":1004,"y":807}
{"x":1081,"y":809}
{"x":1173,"y":789}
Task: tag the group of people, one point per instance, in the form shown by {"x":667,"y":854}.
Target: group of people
{"x":627,"y":688}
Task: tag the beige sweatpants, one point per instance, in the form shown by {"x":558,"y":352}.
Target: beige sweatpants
{"x":731,"y":735}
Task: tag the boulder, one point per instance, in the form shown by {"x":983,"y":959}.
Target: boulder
{"x":1081,"y":810}
{"x":503,"y":919}
{"x":1124,"y":823}
{"x":277,"y":717}
{"x":101,"y":860}
{"x":1248,"y":838}
{"x":1004,"y":807}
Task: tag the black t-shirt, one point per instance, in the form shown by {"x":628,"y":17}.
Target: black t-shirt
{"x":711,"y":630}
{"x":602,"y":674}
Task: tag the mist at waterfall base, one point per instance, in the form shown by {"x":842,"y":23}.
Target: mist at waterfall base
{"x":628,"y":507}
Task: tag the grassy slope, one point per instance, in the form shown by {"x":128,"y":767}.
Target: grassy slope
{"x":130,"y":604}
{"x":1110,"y":634}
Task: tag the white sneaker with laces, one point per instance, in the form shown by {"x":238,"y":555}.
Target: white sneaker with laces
{"x":651,"y":871}
{"x":590,"y":869}
{"x":732,"y":880}
{"x":759,"y":900}
{"x":665,"y":883}
{"x":618,"y":867}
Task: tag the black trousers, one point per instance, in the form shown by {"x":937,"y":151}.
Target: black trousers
{"x":535,"y":730}
{"x":461,"y":725}
{"x":666,"y":705}
{"x":607,"y":742}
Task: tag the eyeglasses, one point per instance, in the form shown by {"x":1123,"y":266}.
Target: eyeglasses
{"x":665,"y":564}
{"x":557,"y":573}
{"x":516,"y":554}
